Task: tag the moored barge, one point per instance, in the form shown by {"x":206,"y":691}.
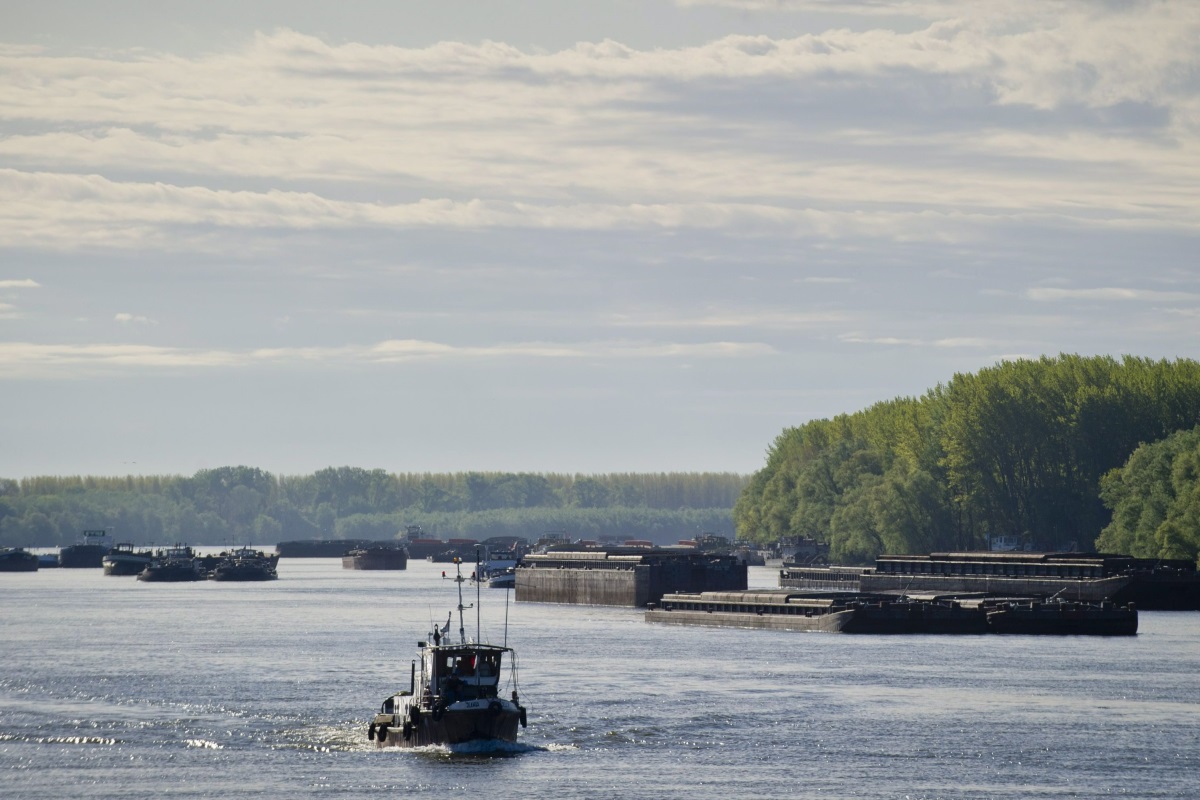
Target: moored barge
{"x":777,"y":609}
{"x":377,"y":556}
{"x":17,"y":559}
{"x":1150,"y":584}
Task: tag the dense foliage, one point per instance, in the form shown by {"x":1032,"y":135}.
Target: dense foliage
{"x":1155,"y":500}
{"x":233,"y":505}
{"x":1017,"y":450}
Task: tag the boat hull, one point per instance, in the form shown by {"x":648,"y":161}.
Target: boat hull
{"x":243,"y":572}
{"x":376,"y":559}
{"x":17,"y":560}
{"x":495,"y":721}
{"x":126,"y":565}
{"x":170,"y":574}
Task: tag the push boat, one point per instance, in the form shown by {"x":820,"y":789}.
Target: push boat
{"x":123,"y":559}
{"x":245,"y":564}
{"x":454,"y":693}
{"x":173,"y":565}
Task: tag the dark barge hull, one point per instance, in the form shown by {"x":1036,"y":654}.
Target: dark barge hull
{"x":1150,"y":584}
{"x":1064,"y":619}
{"x":875,"y":614}
{"x":82,"y":556}
{"x":319,"y":548}
{"x":170,"y":574}
{"x":376,"y":559}
{"x":18,"y":561}
{"x":624,"y":576}
{"x":243,"y":572}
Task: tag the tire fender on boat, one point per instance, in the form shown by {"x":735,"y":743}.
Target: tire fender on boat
{"x":381,"y":735}
{"x":408,"y":730}
{"x":371,"y":732}
{"x":522,"y":710}
{"x":414,"y":713}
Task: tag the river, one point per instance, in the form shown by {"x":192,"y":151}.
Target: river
{"x":110,"y":687}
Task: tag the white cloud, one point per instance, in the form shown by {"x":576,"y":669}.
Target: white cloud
{"x":1049,"y":294}
{"x":24,"y":283}
{"x":898,"y":134}
{"x":30,"y":360}
{"x":133,"y":319}
{"x":763,"y":319}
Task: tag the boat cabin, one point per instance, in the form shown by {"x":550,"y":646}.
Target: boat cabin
{"x":461,"y":672}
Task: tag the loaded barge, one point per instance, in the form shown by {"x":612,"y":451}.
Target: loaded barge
{"x":777,"y":609}
{"x":1151,"y":584}
{"x":624,"y":576}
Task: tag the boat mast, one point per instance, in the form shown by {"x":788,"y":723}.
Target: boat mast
{"x":478,"y":604}
{"x":462,"y":631}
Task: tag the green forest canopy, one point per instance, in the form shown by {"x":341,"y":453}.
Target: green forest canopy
{"x":238,"y":505}
{"x":1017,"y":450}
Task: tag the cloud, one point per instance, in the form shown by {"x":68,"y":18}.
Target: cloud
{"x":25,"y":283}
{"x":30,"y":360}
{"x":763,"y":319}
{"x":1066,"y":115}
{"x":1118,"y":294}
{"x":968,"y":342}
{"x":127,"y":319}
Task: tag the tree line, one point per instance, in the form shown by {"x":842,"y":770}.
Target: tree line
{"x":241,"y":504}
{"x":1024,"y":450}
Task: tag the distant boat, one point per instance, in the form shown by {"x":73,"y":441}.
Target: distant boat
{"x":17,"y":559}
{"x":503,"y":579}
{"x":453,"y":695}
{"x":122,"y":559}
{"x":89,"y":553}
{"x":377,"y":556}
{"x":173,"y":565}
{"x":245,"y":564}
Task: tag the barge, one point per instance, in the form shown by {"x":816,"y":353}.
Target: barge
{"x":624,"y":576}
{"x":777,"y":609}
{"x":377,"y":556}
{"x":89,"y":553}
{"x":1150,"y":584}
{"x":319,"y":548}
{"x":17,"y":559}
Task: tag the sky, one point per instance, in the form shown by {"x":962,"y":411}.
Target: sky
{"x":568,"y":236}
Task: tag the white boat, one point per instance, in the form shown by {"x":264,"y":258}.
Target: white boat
{"x":503,"y":579}
{"x":455,"y":694}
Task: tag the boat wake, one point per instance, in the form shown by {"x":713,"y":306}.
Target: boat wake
{"x":480,"y":747}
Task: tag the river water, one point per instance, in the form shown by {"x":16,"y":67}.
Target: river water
{"x":110,"y":687}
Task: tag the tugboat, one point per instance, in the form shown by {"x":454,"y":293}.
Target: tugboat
{"x":173,"y":564}
{"x":124,"y":560}
{"x":454,"y":693}
{"x":245,"y":564}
